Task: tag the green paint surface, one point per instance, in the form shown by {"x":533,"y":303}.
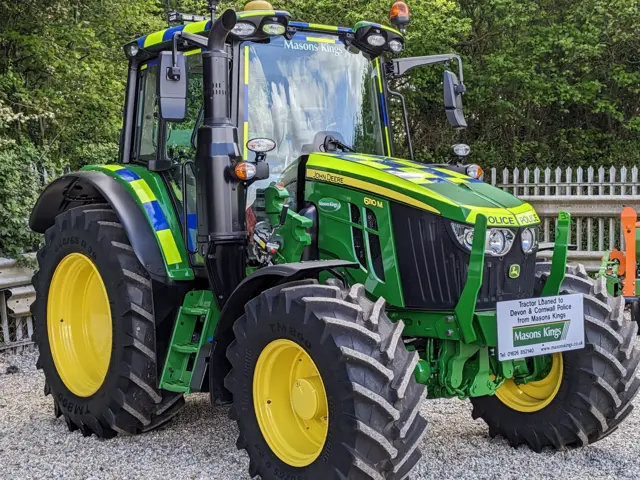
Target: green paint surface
{"x":432,"y":188}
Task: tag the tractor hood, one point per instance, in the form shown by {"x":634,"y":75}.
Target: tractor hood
{"x":428,"y":187}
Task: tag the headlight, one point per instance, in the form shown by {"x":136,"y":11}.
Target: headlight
{"x":497,"y":244}
{"x":376,"y":40}
{"x":528,"y":240}
{"x":396,"y":45}
{"x":244,"y":29}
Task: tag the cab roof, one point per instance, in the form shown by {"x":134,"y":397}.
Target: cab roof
{"x":156,"y":41}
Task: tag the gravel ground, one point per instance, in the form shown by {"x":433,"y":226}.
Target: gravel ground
{"x":200,"y":443}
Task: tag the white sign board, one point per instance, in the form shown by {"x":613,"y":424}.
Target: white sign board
{"x":540,"y":326}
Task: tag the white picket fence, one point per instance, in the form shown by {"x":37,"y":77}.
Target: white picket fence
{"x":593,"y":196}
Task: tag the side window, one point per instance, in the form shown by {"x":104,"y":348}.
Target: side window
{"x":147,"y":124}
{"x":179,"y":135}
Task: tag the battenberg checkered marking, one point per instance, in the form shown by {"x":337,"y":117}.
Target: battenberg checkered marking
{"x":417,"y":173}
{"x":153,"y":210}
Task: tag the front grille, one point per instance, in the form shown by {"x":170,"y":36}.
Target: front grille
{"x":433,"y":266}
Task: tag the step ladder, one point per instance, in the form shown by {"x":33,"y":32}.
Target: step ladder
{"x":193,"y":329}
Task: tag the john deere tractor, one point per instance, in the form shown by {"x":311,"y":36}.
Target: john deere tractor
{"x":258,"y":240}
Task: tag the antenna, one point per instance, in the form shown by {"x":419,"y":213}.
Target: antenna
{"x":171,"y":14}
{"x":213,"y":8}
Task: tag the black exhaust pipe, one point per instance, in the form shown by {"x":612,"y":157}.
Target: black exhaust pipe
{"x":221,"y":222}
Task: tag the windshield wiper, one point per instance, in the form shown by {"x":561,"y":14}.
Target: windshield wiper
{"x":332,"y":144}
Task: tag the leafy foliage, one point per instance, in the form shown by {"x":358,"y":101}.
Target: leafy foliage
{"x":551,"y":82}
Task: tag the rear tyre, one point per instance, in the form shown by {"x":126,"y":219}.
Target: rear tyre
{"x":596,"y":384}
{"x":635,"y":311}
{"x":95,"y":327}
{"x":353,"y":410}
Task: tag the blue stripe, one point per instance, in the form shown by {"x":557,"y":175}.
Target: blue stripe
{"x":168,"y":34}
{"x":299,"y":24}
{"x":438,"y":173}
{"x":128,"y":175}
{"x":345,"y":29}
{"x":156,"y":216}
{"x":192,"y":220}
{"x":384,"y":109}
{"x":392,"y":163}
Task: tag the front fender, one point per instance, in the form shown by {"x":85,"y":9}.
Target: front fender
{"x":249,"y":288}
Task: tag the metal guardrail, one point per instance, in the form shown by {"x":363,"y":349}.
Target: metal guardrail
{"x":593,"y":196}
{"x":16,"y":296}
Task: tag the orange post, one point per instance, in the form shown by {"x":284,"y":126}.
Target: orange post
{"x":629,"y":218}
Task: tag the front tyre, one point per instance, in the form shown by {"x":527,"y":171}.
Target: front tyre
{"x":586,"y":393}
{"x":323,"y":386}
{"x":95,"y":327}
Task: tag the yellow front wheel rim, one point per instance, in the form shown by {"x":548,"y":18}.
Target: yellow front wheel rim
{"x":533,"y":396}
{"x":290,"y":403}
{"x":79,"y":324}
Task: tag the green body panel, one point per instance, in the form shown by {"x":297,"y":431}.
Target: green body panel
{"x":194,"y":327}
{"x":336,"y":236}
{"x":150,"y":192}
{"x":443,"y":325}
{"x":293,"y":233}
{"x":559,"y":260}
{"x":466,"y":306}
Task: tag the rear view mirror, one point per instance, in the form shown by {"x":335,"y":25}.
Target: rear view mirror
{"x":453,"y":91}
{"x":172,"y":86}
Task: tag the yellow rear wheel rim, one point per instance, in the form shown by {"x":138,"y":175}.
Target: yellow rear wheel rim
{"x":290,"y":403}
{"x":79,"y":324}
{"x":533,"y":396}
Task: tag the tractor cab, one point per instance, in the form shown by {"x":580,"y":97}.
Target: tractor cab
{"x":303,"y":87}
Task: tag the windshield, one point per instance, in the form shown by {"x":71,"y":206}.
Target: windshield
{"x":303,"y":89}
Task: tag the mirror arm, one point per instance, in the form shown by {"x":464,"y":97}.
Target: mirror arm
{"x":194,"y":39}
{"x":400,"y":66}
{"x":197,"y":40}
{"x":405,"y":118}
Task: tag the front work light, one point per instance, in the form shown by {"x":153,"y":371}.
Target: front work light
{"x":132,"y":49}
{"x":461,"y":149}
{"x":244,"y":29}
{"x":376,"y":40}
{"x":273,"y":28}
{"x":261,"y":145}
{"x":396,"y":45}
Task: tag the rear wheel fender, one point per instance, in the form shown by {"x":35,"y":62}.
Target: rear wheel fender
{"x":84,"y":188}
